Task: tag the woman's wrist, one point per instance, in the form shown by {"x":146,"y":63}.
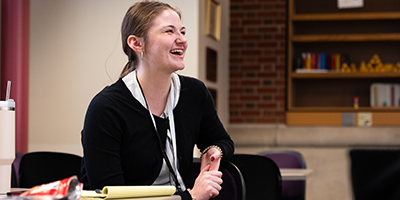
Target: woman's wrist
{"x":209,"y":147}
{"x":190,"y":192}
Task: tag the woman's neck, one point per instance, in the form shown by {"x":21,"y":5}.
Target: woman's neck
{"x":155,"y":87}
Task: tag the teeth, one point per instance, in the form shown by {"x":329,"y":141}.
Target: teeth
{"x":176,"y":51}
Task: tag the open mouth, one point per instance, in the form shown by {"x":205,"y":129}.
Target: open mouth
{"x":177,"y":52}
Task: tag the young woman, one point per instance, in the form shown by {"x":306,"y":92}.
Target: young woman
{"x":142,"y":129}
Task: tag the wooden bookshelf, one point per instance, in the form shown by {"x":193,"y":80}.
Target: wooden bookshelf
{"x":319,"y":26}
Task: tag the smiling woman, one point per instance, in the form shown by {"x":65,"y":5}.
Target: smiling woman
{"x":142,"y":129}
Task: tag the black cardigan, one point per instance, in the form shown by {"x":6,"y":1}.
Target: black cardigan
{"x":120,"y":143}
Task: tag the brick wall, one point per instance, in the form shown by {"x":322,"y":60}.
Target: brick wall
{"x":257,"y":61}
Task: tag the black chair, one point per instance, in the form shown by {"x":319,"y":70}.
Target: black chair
{"x":261,"y":176}
{"x":233,"y":183}
{"x":38,"y":168}
{"x":291,"y":190}
{"x":375,"y":174}
{"x":15,"y":169}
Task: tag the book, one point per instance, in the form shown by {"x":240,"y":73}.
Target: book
{"x":322,"y":61}
{"x":118,"y":192}
{"x":313,"y":61}
{"x":308,"y":60}
{"x":337,"y":62}
{"x":298,"y":61}
{"x":333,"y":62}
{"x":303,"y":60}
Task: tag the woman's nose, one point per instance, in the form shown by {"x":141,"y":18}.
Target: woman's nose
{"x":181,"y":38}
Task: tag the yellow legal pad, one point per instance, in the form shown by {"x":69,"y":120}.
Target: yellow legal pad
{"x":119,"y":192}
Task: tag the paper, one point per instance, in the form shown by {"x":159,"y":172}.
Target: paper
{"x":117,"y":192}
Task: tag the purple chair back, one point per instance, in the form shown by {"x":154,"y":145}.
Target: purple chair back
{"x":293,"y":190}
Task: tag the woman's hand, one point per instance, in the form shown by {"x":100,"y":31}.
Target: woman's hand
{"x":207,"y":184}
{"x":212,"y":157}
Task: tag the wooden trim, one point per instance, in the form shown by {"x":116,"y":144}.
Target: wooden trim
{"x":314,"y":119}
{"x":335,"y":118}
{"x":289,"y":55}
{"x":386,"y":119}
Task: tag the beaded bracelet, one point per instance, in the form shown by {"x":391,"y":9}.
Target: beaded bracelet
{"x":209,"y":147}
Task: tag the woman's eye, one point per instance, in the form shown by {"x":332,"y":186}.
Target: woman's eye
{"x":169,"y":31}
{"x":183,"y":32}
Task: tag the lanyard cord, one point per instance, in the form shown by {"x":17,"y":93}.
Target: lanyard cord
{"x":160,"y":143}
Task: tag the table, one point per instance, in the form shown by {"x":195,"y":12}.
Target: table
{"x":173,"y":197}
{"x":295,"y":174}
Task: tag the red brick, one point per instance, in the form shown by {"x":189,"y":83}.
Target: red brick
{"x":268,"y":14}
{"x":279,"y":98}
{"x":251,"y":7}
{"x":233,"y":121}
{"x":251,"y":67}
{"x":266,"y":90}
{"x":236,"y":105}
{"x":266,"y":75}
{"x":250,"y":113}
{"x":250,"y":82}
{"x":250,"y":98}
{"x":267,"y":44}
{"x":268,"y":30}
{"x":252,"y":22}
{"x":251,"y":53}
{"x":235,"y":75}
{"x":266,"y":120}
{"x":277,"y":83}
{"x":266,"y":59}
{"x":266,"y":105}
{"x":236,"y":15}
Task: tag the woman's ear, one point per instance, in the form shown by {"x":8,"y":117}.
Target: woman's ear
{"x":136,"y":43}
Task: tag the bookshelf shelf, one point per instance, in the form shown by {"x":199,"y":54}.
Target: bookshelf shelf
{"x":339,"y":75}
{"x":347,"y":37}
{"x":320,"y":27}
{"x":347,"y":16}
{"x":345,"y":109}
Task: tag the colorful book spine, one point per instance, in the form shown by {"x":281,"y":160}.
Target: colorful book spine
{"x":308,"y":61}
{"x":333,"y":62}
{"x":298,"y":61}
{"x":313,"y":61}
{"x":303,"y":60}
{"x":322,"y":61}
{"x":337,"y":62}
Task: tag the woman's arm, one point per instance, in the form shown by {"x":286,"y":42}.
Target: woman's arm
{"x":101,"y":141}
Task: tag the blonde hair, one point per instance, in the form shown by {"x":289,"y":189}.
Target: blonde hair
{"x":137,"y":21}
